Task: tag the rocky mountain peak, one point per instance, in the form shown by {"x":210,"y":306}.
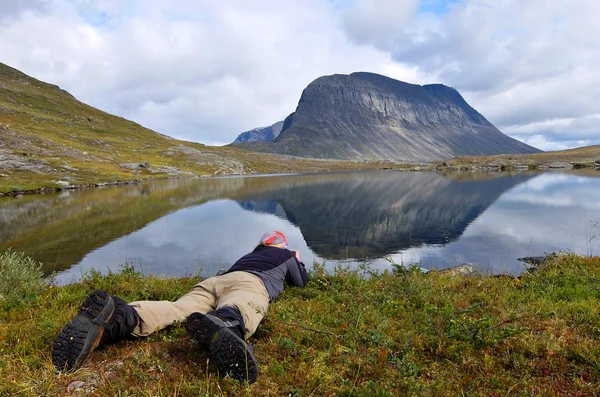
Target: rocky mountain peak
{"x":369,"y":116}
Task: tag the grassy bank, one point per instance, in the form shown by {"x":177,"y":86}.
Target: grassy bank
{"x":578,"y":158}
{"x":401,"y":332}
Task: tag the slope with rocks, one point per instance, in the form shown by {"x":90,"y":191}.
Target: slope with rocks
{"x":369,"y":116}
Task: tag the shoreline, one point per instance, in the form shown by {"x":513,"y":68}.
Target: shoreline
{"x":461,"y":164}
{"x":46,"y":190}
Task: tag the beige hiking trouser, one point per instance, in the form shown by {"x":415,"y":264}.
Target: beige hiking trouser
{"x":242,"y":290}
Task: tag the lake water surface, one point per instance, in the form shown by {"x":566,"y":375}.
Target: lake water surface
{"x":191,"y":226}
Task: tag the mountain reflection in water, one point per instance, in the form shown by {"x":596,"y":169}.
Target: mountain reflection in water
{"x":374,"y":215}
{"x":180,"y":227}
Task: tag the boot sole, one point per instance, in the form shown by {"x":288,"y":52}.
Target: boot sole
{"x":82,"y":334}
{"x":229,"y":352}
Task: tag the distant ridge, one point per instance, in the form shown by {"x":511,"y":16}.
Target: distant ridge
{"x":261,"y":134}
{"x":369,"y":116}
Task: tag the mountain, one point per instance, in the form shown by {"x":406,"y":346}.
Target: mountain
{"x":261,"y":134}
{"x":368,"y":116}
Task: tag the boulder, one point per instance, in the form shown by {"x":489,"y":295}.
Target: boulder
{"x":554,"y":165}
{"x":465,"y":269}
{"x":537,"y":262}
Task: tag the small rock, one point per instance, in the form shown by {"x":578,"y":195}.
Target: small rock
{"x":63,"y":183}
{"x":90,"y":119}
{"x":75,"y":385}
{"x":466,"y":269}
{"x":144,"y":164}
{"x":130,"y":166}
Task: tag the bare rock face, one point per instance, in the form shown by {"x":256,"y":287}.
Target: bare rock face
{"x":261,"y":134}
{"x":366,"y":116}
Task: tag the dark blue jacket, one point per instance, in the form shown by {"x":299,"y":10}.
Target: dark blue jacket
{"x":274,"y":266}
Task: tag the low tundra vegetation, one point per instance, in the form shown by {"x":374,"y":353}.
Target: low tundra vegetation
{"x":348,"y":333}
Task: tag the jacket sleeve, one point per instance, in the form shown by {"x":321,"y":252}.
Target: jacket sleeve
{"x":296,"y":274}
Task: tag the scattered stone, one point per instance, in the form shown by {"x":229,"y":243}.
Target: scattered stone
{"x":63,"y":183}
{"x":556,"y":165}
{"x":75,"y":385}
{"x":165,"y":169}
{"x":10,"y":161}
{"x":496,"y":164}
{"x":144,"y":164}
{"x":90,"y":119}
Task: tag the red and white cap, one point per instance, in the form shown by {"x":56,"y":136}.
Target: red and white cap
{"x":275,"y":239}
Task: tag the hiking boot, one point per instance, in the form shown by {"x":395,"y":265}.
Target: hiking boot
{"x":233,"y":356}
{"x":122,"y":323}
{"x":84,"y":333}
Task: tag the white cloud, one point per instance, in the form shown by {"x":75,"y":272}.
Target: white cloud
{"x":205,"y":71}
{"x":519,"y":63}
{"x":195,"y":70}
{"x":378,"y":21}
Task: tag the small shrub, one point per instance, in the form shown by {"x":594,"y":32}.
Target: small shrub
{"x":21,"y":279}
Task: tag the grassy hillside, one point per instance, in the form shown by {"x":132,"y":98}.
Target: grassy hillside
{"x":47,"y":135}
{"x":397,"y":333}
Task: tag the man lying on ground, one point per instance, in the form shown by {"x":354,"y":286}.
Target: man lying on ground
{"x":220,"y":313}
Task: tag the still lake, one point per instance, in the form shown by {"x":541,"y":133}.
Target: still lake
{"x":190,"y":226}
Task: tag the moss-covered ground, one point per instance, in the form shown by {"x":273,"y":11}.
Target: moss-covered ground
{"x":348,"y":333}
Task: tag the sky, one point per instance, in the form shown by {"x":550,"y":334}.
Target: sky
{"x":206,"y":71}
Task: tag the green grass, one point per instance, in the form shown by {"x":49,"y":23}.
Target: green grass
{"x":347,"y":333}
{"x":21,"y":279}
